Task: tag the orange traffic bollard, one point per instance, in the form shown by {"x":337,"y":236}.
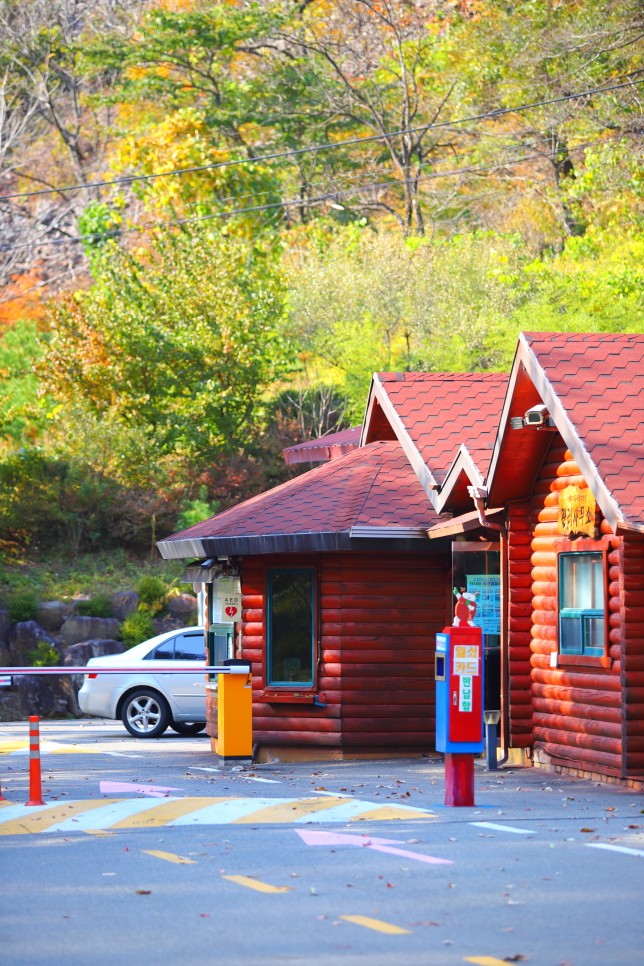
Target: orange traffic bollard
{"x":35,"y":780}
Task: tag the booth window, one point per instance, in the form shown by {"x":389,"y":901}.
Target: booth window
{"x":581,"y":604}
{"x":290,"y":626}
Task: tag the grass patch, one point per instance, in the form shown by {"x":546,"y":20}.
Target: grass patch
{"x":56,"y":577}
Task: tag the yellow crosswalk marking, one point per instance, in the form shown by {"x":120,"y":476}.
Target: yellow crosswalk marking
{"x":158,"y":815}
{"x":43,"y":819}
{"x":50,"y":747}
{"x":169,"y":857}
{"x":387,"y":812}
{"x":289,"y":811}
{"x":256,"y":884}
{"x":378,"y":924}
{"x":137,"y":813}
{"x":7,"y":747}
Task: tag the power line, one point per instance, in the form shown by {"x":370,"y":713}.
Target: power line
{"x":344,"y":177}
{"x":273,"y":206}
{"x":295,"y":202}
{"x":329,"y":146}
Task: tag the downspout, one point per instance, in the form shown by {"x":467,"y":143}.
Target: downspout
{"x":478,"y":494}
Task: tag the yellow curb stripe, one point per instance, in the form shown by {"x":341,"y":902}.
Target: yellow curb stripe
{"x":290,"y":811}
{"x":387,"y":812}
{"x":486,"y":961}
{"x":377,"y":924}
{"x":159,"y":814}
{"x":255,"y":884}
{"x":43,"y":819}
{"x":169,"y":857}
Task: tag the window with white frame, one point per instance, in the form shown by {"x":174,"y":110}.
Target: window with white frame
{"x":582,"y":619}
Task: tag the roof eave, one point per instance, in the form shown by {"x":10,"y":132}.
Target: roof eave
{"x":358,"y":537}
{"x":626,"y":526}
{"x":464,"y":523}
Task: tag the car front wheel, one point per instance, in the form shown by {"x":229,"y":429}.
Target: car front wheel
{"x":145,"y":713}
{"x":188,"y":728}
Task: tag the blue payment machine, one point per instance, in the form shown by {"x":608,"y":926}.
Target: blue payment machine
{"x":459,"y":690}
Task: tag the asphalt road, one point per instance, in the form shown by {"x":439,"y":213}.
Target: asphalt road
{"x":147,"y":851}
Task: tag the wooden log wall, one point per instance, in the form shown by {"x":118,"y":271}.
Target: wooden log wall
{"x":391,"y":609}
{"x":277,"y":725}
{"x":379,"y":616}
{"x":627,"y":566}
{"x":576,"y":710}
{"x":519,"y":591}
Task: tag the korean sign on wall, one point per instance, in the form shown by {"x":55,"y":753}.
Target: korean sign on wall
{"x":576,"y":511}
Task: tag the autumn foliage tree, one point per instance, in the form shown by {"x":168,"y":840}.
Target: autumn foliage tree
{"x":170,"y":352}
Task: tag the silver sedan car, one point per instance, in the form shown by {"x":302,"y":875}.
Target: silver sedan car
{"x":146,"y":699}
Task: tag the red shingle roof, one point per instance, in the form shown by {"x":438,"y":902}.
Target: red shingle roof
{"x":599,"y":380}
{"x":440,"y":410}
{"x":372,"y":493}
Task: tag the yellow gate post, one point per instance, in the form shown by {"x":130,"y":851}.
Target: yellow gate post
{"x":234,"y":742}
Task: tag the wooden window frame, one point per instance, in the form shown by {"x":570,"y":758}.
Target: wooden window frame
{"x":568,"y":548}
{"x":296,"y":692}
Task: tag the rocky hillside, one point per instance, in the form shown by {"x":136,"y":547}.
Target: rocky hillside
{"x":60,"y":635}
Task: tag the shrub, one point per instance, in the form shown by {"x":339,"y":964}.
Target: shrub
{"x":136,"y":627}
{"x":100,"y":605}
{"x":43,"y":655}
{"x":23,"y":606}
{"x":152,"y":593}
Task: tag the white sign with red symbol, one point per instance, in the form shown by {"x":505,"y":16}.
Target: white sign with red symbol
{"x":231,"y":607}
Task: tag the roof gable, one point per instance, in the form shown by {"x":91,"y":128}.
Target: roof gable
{"x":593,"y":387}
{"x":432,"y":414}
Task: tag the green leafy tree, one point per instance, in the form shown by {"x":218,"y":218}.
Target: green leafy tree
{"x":376,"y":302}
{"x":192,"y":80}
{"x":22,"y":419}
{"x":540,"y":52}
{"x":171,"y":351}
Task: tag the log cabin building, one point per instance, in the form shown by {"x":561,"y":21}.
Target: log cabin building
{"x":526,"y":490}
{"x":342,"y":592}
{"x":568,"y":466}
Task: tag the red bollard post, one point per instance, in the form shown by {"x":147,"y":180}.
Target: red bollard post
{"x":35,"y":778}
{"x":459,"y":779}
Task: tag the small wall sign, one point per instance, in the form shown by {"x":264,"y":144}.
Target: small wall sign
{"x":576,"y":511}
{"x":231,"y":607}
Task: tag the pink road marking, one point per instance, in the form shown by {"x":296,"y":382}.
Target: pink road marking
{"x":366,"y":842}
